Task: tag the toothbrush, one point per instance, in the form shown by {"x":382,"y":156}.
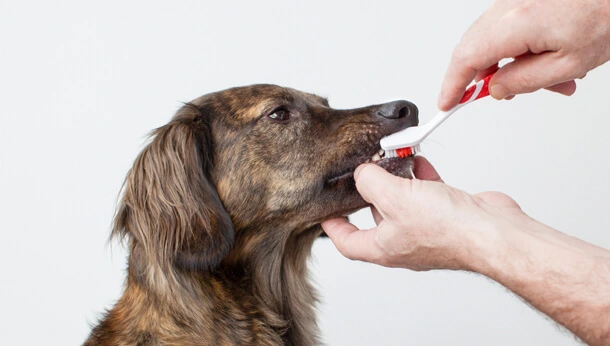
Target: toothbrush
{"x":406,"y":142}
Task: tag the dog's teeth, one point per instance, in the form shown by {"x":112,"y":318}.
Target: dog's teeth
{"x":381,"y":152}
{"x":376,"y":157}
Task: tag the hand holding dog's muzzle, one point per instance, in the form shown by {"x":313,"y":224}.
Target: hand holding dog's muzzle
{"x":422,"y":224}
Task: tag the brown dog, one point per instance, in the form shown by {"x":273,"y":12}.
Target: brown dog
{"x":221,"y":210}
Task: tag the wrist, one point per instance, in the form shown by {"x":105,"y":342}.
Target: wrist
{"x":561,"y":276}
{"x":494,"y":240}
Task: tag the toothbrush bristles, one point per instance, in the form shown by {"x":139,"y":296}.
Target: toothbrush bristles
{"x":402,"y":152}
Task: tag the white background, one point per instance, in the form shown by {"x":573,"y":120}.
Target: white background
{"x":82,"y":83}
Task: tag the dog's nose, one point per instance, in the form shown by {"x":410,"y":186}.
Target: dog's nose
{"x":397,"y":109}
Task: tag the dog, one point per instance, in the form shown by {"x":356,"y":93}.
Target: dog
{"x":221,"y":208}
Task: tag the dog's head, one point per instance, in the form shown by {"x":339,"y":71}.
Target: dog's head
{"x":248,"y":158}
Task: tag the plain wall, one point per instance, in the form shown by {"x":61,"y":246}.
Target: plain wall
{"x":82,"y":83}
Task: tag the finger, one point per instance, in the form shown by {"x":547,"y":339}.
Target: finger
{"x":379,"y":187}
{"x":483,"y":46}
{"x":424,"y":170}
{"x":534,"y":72}
{"x":351,"y":242}
{"x":566,"y":88}
{"x":456,"y":80}
{"x":486,"y":72}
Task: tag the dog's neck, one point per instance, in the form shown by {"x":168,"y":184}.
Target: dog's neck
{"x":266,"y":282}
{"x":276,"y":272}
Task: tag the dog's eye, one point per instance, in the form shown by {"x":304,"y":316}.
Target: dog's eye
{"x":280,"y":114}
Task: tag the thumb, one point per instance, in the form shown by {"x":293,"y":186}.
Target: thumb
{"x":532,"y":72}
{"x":379,"y":187}
{"x":351,"y":242}
{"x":424,"y":170}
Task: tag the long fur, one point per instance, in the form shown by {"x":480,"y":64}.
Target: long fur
{"x":219,"y":231}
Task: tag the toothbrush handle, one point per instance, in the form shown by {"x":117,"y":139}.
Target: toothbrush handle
{"x":412,"y":136}
{"x":477,"y":91}
{"x":474,"y":92}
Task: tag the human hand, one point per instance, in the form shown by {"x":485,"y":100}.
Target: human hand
{"x":425,"y":224}
{"x":553,"y":43}
{"x":421,"y":224}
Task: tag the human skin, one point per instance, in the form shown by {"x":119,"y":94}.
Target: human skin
{"x":423,"y":224}
{"x":554,"y":43}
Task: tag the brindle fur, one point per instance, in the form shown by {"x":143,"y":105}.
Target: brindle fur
{"x":221,"y":209}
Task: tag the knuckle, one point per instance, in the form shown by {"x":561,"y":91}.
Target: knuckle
{"x":347,"y":251}
{"x":380,"y":257}
{"x":520,"y":83}
{"x":527,"y":84}
{"x":518,"y":13}
{"x":347,"y":255}
{"x":351,"y":255}
{"x":344,"y":250}
{"x":523,"y":12}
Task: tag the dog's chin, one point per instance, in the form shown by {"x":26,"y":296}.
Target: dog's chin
{"x":342,"y":187}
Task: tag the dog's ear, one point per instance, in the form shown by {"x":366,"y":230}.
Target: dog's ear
{"x":169,"y":206}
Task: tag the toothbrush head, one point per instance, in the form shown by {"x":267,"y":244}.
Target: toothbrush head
{"x":402,"y":152}
{"x":403,"y":141}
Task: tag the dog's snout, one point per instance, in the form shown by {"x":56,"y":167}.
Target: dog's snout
{"x":397,"y":109}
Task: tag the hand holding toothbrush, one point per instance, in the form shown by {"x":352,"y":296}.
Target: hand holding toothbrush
{"x":553,"y":41}
{"x":423,"y":224}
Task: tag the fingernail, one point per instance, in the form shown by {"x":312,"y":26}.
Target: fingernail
{"x":498,"y":92}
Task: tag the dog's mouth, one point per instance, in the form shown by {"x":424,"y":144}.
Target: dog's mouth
{"x":398,"y":166}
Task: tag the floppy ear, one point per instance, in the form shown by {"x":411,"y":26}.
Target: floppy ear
{"x":169,"y":206}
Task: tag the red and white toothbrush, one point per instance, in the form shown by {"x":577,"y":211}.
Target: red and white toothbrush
{"x":406,"y":142}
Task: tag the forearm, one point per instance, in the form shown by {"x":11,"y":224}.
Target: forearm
{"x":563,"y":277}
